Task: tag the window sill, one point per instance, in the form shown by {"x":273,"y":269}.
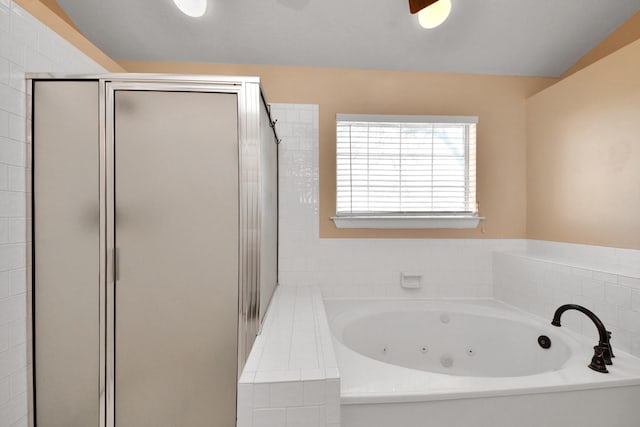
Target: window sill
{"x":407,"y":221}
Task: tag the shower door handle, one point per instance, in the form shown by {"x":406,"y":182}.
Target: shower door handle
{"x":116,"y":264}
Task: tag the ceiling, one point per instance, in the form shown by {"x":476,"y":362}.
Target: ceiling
{"x":512,"y":37}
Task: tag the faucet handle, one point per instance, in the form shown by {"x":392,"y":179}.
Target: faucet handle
{"x":598,"y":362}
{"x":607,"y":352}
{"x":609,"y":344}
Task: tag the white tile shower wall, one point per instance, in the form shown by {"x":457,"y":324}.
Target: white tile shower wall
{"x":363,"y":267}
{"x":549,"y":274}
{"x":26,"y":45}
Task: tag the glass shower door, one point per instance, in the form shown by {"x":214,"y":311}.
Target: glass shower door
{"x":66,"y":270}
{"x":176,"y":234}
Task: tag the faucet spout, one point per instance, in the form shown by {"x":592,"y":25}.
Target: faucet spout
{"x":602,"y":331}
{"x":604,"y":335}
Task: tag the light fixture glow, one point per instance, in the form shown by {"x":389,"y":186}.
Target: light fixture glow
{"x":434,"y":15}
{"x":193,"y":8}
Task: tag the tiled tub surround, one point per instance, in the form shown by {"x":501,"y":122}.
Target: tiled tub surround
{"x":363,"y":267}
{"x":528,"y":274}
{"x":605,"y":280}
{"x":291,"y":378}
{"x":26,"y":45}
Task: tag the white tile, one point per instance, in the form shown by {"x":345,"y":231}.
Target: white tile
{"x":17,"y":230}
{"x":11,"y":50}
{"x":12,"y":100}
{"x":635,"y":345}
{"x":245,"y":401}
{"x":17,"y":127}
{"x":608,"y":313}
{"x":17,"y":77}
{"x":5,"y":70}
{"x":244,"y":419}
{"x":22,"y":422}
{"x":5,"y":391}
{"x":618,"y":295}
{"x":5,"y":285}
{"x":261,"y":395}
{"x":4,"y":177}
{"x":4,"y":337}
{"x":306,"y":416}
{"x":5,"y":19}
{"x":314,"y":392}
{"x":12,"y":360}
{"x":314,"y":374}
{"x":605,"y":277}
{"x":593,"y":289}
{"x":17,"y":332}
{"x":12,"y":205}
{"x":36,"y":62}
{"x":12,"y":152}
{"x":631,"y":282}
{"x":275,"y":417}
{"x":628,"y":257}
{"x":14,"y":411}
{"x":12,"y":256}
{"x":18,"y":381}
{"x":12,"y":308}
{"x":332,"y":389}
{"x":582,"y":272}
{"x":635,"y":299}
{"x":332,"y":410}
{"x":22,"y":30}
{"x":4,"y":123}
{"x":621,"y":339}
{"x":286,"y":394}
{"x":16,"y":178}
{"x":630,"y":321}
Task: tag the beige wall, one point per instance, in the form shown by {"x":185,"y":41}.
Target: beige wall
{"x":498,"y":101}
{"x":502,"y":153}
{"x":583,"y":155}
{"x":55,"y":8}
{"x":53,"y":17}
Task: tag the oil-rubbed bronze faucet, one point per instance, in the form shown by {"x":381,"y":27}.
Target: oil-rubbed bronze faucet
{"x":602,"y":352}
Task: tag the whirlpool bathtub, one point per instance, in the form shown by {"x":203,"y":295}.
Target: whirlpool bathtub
{"x":472,"y":362}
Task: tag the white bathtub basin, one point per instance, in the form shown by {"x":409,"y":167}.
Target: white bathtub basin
{"x":451,"y":341}
{"x":428,"y":350}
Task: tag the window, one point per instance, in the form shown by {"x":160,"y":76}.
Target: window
{"x":406,"y":171}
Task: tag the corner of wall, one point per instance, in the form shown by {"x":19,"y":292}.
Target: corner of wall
{"x":69,"y":32}
{"x":580,"y":185}
{"x":625,"y":34}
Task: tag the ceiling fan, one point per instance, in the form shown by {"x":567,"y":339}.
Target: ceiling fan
{"x":416,"y":6}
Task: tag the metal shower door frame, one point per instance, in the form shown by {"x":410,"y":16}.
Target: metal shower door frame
{"x":248,"y":150}
{"x":249,"y":97}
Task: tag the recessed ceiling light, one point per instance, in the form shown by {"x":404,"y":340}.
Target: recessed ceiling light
{"x":193,"y":8}
{"x":434,"y":15}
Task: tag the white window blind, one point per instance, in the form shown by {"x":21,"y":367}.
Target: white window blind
{"x":406,"y":165}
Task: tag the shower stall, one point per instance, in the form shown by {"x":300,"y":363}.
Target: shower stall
{"x":153,"y":250}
